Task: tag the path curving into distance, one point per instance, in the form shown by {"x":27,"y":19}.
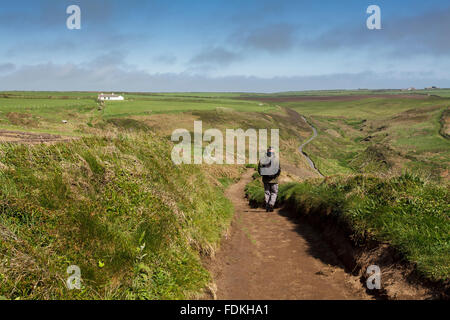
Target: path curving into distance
{"x":308,"y":159}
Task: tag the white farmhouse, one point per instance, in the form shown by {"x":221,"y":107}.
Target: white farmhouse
{"x":110,"y":97}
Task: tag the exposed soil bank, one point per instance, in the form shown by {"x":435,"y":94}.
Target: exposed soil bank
{"x":30,"y":137}
{"x":399,"y":278}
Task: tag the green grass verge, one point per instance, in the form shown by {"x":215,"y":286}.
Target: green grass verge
{"x":118,"y":208}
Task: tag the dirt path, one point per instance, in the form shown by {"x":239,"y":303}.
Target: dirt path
{"x":270,"y":256}
{"x":30,"y":137}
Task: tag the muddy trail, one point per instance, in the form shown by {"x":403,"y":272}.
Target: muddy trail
{"x":271,"y":256}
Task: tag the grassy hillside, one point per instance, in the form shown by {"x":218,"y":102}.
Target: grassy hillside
{"x":408,"y":213}
{"x":379,"y":135}
{"x":292,"y":129}
{"x":388,"y":160}
{"x":112,"y":202}
{"x":116,"y":207}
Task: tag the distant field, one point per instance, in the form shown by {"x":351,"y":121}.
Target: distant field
{"x":371,"y":108}
{"x":438,"y":92}
{"x":336,"y":93}
{"x":178,"y":104}
{"x":45,"y":111}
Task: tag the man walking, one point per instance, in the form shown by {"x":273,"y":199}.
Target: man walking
{"x":269,"y":168}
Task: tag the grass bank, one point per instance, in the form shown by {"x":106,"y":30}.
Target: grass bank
{"x":118,"y":208}
{"x":409,"y":214}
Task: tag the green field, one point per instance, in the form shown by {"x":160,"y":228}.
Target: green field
{"x":174,"y":104}
{"x":45,"y":111}
{"x":327,"y":93}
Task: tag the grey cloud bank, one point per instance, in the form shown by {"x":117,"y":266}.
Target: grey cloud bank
{"x":71,"y":77}
{"x":217,"y":56}
{"x":270,"y":38}
{"x":167,"y":59}
{"x":407,"y":36}
{"x":7,"y":67}
{"x":403,"y":38}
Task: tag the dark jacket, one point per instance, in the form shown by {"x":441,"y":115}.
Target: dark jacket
{"x":272,"y":178}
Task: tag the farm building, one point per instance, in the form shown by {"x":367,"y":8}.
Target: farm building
{"x":110,"y":97}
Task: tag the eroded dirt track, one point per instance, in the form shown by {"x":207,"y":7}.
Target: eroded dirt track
{"x":270,"y":256}
{"x":30,"y":138}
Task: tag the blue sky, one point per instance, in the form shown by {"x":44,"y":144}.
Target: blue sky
{"x":215,"y":45}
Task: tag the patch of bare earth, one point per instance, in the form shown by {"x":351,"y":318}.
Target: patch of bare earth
{"x":22,"y":119}
{"x":333,"y":133}
{"x":30,"y":137}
